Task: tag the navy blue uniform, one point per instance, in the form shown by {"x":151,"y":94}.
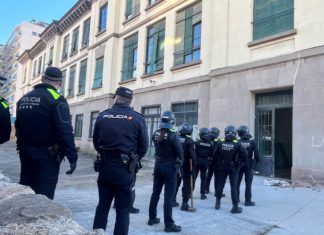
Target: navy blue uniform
{"x":43,"y":120}
{"x":227,"y":156}
{"x":5,"y":123}
{"x":247,"y":169}
{"x":188,"y":146}
{"x":204,"y":152}
{"x":211,"y":169}
{"x":165,"y":172}
{"x":119,"y":130}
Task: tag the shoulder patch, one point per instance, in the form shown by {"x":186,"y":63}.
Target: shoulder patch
{"x":235,"y":141}
{"x":54,"y":93}
{"x":4,"y":104}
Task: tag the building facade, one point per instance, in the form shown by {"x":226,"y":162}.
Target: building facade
{"x":23,"y":37}
{"x":212,"y":62}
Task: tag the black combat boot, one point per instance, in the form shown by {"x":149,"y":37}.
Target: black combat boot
{"x":175,"y":204}
{"x":133,"y":210}
{"x":217,"y":205}
{"x":250,"y":203}
{"x":203,"y":196}
{"x":236,"y":209}
{"x":153,"y":221}
{"x":184,"y":206}
{"x":172,"y":228}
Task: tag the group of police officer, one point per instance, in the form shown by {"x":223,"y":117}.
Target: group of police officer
{"x":45,"y":136}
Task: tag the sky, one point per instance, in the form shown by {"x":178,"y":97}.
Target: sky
{"x":13,"y":12}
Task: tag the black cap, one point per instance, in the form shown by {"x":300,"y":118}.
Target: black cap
{"x":124,"y":92}
{"x":53,"y":74}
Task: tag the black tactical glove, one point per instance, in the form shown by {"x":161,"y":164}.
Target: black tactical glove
{"x":72,"y":168}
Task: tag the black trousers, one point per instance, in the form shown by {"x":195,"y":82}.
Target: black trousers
{"x":179,"y":180}
{"x":201,"y":166}
{"x":186,"y":185}
{"x":210,"y":173}
{"x":114,"y":181}
{"x":248,"y":177}
{"x":39,"y":170}
{"x":165,"y":174}
{"x":222,"y":175}
{"x":133,"y":191}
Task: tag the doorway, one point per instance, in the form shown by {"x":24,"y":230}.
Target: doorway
{"x":274,"y":133}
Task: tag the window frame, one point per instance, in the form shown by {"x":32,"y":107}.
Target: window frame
{"x":92,"y":122}
{"x":102,"y":24}
{"x":70,"y":90}
{"x":75,"y":41}
{"x":86,"y":33}
{"x":78,"y":126}
{"x":130,"y":45}
{"x":96,"y":76}
{"x":83,"y":76}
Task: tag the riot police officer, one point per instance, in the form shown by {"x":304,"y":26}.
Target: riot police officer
{"x":214,"y":133}
{"x":168,"y":160}
{"x":189,"y":155}
{"x":227,"y":157}
{"x":44,"y":134}
{"x":204,"y":151}
{"x":5,"y":123}
{"x":247,"y":169}
{"x":120,"y":137}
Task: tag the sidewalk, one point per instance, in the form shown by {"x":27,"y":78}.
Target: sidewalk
{"x":278,"y":210}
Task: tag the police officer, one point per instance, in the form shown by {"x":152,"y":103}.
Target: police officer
{"x":168,"y":160}
{"x":247,"y":169}
{"x":5,"y":123}
{"x":44,"y":134}
{"x":189,"y":153}
{"x":227,"y":156}
{"x":214,"y":133}
{"x":120,"y":137}
{"x":204,"y":151}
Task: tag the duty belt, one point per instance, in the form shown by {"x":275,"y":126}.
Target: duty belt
{"x":111,"y":157}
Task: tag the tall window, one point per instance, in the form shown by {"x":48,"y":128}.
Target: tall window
{"x":50,"y":57}
{"x":188,"y":35}
{"x":62,"y":88}
{"x":39,"y":65}
{"x":129,"y":58}
{"x":186,"y":112}
{"x":78,"y":126}
{"x":103,"y":18}
{"x":82,"y":76}
{"x":35,"y":68}
{"x":86,"y":33}
{"x":272,"y":17}
{"x":97,"y":82}
{"x":75,"y":40}
{"x":71,"y":81}
{"x":65,"y":47}
{"x":155,"y":47}
{"x":132,"y":8}
{"x":93,"y":117}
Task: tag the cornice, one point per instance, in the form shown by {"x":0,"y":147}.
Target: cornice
{"x":74,"y":14}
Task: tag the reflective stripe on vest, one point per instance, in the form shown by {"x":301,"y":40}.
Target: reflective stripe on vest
{"x":54,"y":93}
{"x":4,"y":104}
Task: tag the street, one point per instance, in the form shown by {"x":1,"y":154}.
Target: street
{"x":298,"y":210}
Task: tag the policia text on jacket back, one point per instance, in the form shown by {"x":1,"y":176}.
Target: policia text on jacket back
{"x":44,"y":134}
{"x":5,"y":124}
{"x":119,"y":135}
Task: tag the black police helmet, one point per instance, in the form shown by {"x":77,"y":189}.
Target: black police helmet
{"x":186,"y":129}
{"x":204,"y":133}
{"x":214,"y":132}
{"x":230,"y":131}
{"x":242,"y":130}
{"x":167,"y":120}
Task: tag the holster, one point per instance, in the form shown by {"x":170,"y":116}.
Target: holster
{"x":55,"y":153}
{"x":97,"y":163}
{"x":132,"y":163}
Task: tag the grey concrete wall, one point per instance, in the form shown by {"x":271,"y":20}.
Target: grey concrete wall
{"x":308,"y":120}
{"x":179,"y":92}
